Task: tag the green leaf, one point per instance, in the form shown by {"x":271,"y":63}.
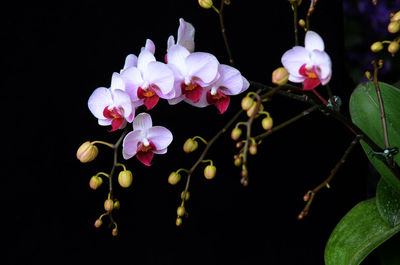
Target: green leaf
{"x":365,"y":113}
{"x":388,"y":202}
{"x":359,"y":232}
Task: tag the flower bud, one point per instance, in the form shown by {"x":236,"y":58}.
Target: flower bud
{"x":267,"y":123}
{"x":210,"y":171}
{"x":302,"y":23}
{"x":394,"y":26}
{"x":108,"y":205}
{"x":246,"y":103}
{"x":180,"y":211}
{"x":253,"y":149}
{"x":238,"y":161}
{"x":236,"y":133}
{"x":178,"y":221}
{"x":125,"y":178}
{"x":87,"y":152}
{"x":253,"y":109}
{"x":395,"y":17}
{"x":174,"y":178}
{"x":187,"y":196}
{"x":190,"y":145}
{"x":98,"y":223}
{"x":95,"y":182}
{"x":206,"y":3}
{"x":376,"y":46}
{"x":114,"y":232}
{"x":280,"y":76}
{"x":393,"y":47}
{"x":117,"y":205}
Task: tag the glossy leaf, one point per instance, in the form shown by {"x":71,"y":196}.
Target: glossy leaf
{"x":365,"y":113}
{"x":359,"y":232}
{"x":388,"y":202}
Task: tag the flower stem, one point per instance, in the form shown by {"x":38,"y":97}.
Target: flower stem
{"x":223,"y":32}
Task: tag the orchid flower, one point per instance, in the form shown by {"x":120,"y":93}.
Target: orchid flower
{"x":112,"y":106}
{"x":193,"y":72}
{"x":149,"y":80}
{"x":310,"y":64}
{"x":185,"y":36}
{"x":229,"y":83}
{"x":145,"y":140}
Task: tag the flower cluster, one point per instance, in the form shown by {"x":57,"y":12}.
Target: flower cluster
{"x":194,"y":77}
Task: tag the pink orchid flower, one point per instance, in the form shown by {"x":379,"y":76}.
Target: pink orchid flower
{"x":145,"y":140}
{"x":193,"y":72}
{"x":149,"y":80}
{"x":112,"y":106}
{"x":185,"y":36}
{"x":229,"y":83}
{"x":310,"y":64}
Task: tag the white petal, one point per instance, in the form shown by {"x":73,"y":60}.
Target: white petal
{"x":149,"y":46}
{"x":186,"y":35}
{"x":170,"y":42}
{"x":123,"y":100}
{"x":117,"y":82}
{"x":130,"y":61}
{"x":313,"y":41}
{"x":99,"y":100}
{"x":176,"y":57}
{"x":142,"y":122}
{"x":145,"y":57}
{"x":203,"y":66}
{"x":294,"y":58}
{"x":160,"y":136}
{"x":322,"y":61}
{"x":130,"y":144}
{"x":133,"y":79}
{"x":231,"y":81}
{"x":160,"y":75}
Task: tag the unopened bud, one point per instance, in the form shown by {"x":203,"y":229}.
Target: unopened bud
{"x":125,"y":178}
{"x":114,"y":232}
{"x":393,"y":47}
{"x":237,"y":162}
{"x":394,"y":26}
{"x":210,"y":171}
{"x":206,"y":3}
{"x":174,"y":178}
{"x":98,"y":223}
{"x":108,"y":205}
{"x":178,"y":221}
{"x":236,"y":133}
{"x":267,"y":123}
{"x":368,"y":75}
{"x":190,"y":145}
{"x":95,"y":182}
{"x":187,"y":195}
{"x":302,"y":23}
{"x":180,"y":211}
{"x":253,"y":149}
{"x":280,"y":76}
{"x":87,"y":152}
{"x":376,"y":46}
{"x":395,"y":16}
{"x":246,"y":103}
{"x":117,"y":205}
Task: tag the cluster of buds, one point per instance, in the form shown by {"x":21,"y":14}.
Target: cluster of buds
{"x":393,"y":45}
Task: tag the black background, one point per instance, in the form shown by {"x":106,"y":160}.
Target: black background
{"x":57,"y":53}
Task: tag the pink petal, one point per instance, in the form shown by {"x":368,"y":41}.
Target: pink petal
{"x":313,"y":41}
{"x":158,"y":74}
{"x":231,"y":81}
{"x":130,"y":144}
{"x":203,"y":66}
{"x":100,"y":99}
{"x":142,"y":122}
{"x":117,"y":123}
{"x":144,"y":58}
{"x":293,"y":59}
{"x":310,"y":83}
{"x":186,"y":35}
{"x":160,"y":136}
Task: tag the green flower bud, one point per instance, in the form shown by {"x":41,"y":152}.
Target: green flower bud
{"x":206,"y":3}
{"x":393,"y":47}
{"x":174,"y":178}
{"x":246,"y":103}
{"x":95,"y":182}
{"x":236,"y":133}
{"x":98,"y":223}
{"x":108,"y":205}
{"x":87,"y":152}
{"x":267,"y":123}
{"x":376,"y":46}
{"x":180,"y":211}
{"x":125,"y":178}
{"x":210,"y":171}
{"x":280,"y":76}
{"x":190,"y":145}
{"x":394,"y":26}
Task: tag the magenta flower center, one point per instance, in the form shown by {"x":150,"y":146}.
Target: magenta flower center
{"x":116,"y":116}
{"x":192,"y":91}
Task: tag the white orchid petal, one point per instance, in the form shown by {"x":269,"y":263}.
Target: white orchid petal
{"x":313,"y":41}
